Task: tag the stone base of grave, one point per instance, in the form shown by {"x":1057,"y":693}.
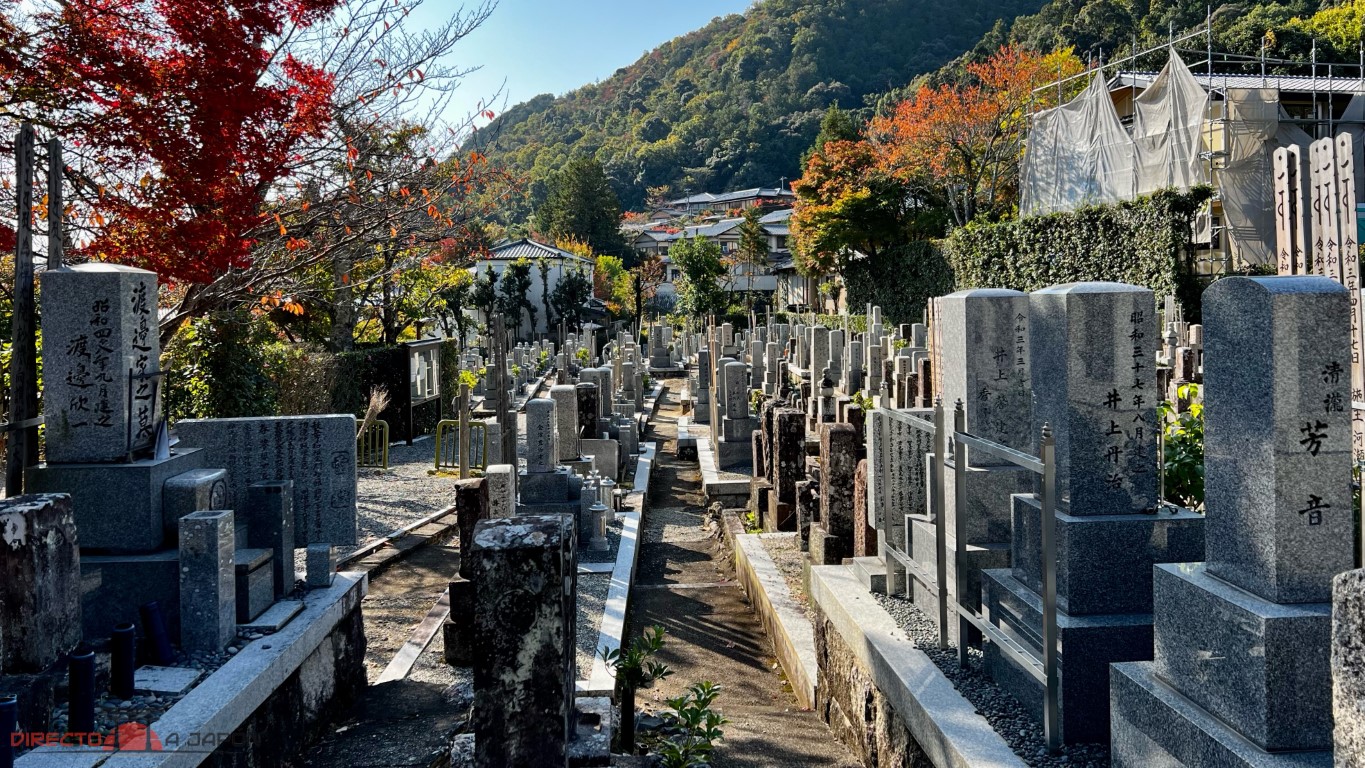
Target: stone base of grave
{"x":1261,"y":666}
{"x":36,"y":696}
{"x":778,"y":515}
{"x":1156,"y":727}
{"x":581,"y":466}
{"x":986,"y":501}
{"x":1104,"y":562}
{"x":558,"y":487}
{"x":925,"y":554}
{"x":734,"y":445}
{"x":594,"y":729}
{"x":137,"y":524}
{"x":270,"y":700}
{"x":1087,"y":645}
{"x":457,"y":632}
{"x":113,"y":586}
{"x":826,"y":549}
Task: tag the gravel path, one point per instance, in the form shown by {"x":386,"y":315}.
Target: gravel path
{"x":388,"y":499}
{"x":1000,"y":709}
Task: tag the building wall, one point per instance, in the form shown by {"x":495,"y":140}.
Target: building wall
{"x":535,"y":294}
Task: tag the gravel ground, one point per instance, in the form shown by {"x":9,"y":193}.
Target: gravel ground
{"x":1004,"y":714}
{"x":388,"y":499}
{"x":586,"y":555}
{"x":592,"y":602}
{"x":785,"y":549}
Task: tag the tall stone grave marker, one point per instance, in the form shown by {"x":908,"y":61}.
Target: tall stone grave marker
{"x":1243,"y":639}
{"x":1092,"y":350}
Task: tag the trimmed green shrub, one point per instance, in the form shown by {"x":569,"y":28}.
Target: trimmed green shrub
{"x":1144,"y":242}
{"x":900,"y":280}
{"x":218,"y":368}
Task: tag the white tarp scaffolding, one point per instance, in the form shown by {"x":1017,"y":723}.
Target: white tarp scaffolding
{"x":1080,"y":153}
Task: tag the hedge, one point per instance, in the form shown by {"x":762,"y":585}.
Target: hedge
{"x":1144,"y":242}
{"x":900,"y":280}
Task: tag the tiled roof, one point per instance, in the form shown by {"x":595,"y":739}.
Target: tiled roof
{"x":1289,"y":83}
{"x":776,"y":216}
{"x":530,"y":249}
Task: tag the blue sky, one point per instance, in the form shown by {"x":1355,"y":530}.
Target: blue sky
{"x":529,"y":47}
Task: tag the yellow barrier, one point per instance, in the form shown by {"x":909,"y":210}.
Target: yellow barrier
{"x":448,"y":445}
{"x":372,"y":447}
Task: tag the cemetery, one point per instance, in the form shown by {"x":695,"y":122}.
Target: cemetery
{"x":1040,"y":510}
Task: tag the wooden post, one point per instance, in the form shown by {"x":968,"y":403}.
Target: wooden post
{"x":1350,"y":262}
{"x":55,"y":240}
{"x":22,"y":447}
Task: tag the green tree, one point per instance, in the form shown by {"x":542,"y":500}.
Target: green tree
{"x":513,"y":294}
{"x":753,"y":251}
{"x":700,"y":288}
{"x":570,"y":294}
{"x":837,"y":125}
{"x":582,"y":206}
{"x":484,"y":295}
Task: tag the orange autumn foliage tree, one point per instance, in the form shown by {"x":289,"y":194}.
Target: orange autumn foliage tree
{"x":960,"y":145}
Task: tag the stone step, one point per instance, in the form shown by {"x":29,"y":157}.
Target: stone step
{"x":871,"y":573}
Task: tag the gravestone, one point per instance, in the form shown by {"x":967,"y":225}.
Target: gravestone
{"x":897,"y":487}
{"x":270,"y":525}
{"x":525,"y":576}
{"x":1092,"y":349}
{"x":318,"y":453}
{"x":565,"y":397}
{"x":788,"y":468}
{"x":1243,"y":640}
{"x":40,"y":582}
{"x":100,"y":325}
{"x":831,"y":540}
{"x":502,"y":490}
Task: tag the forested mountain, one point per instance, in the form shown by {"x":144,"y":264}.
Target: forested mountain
{"x":734,"y":104}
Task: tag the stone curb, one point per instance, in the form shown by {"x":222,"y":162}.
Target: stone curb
{"x":602,"y":682}
{"x":945,"y":725}
{"x":784,"y":620}
{"x":730,"y":493}
{"x":227,"y":698}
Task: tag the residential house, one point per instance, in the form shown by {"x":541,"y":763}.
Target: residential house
{"x":558,"y":262}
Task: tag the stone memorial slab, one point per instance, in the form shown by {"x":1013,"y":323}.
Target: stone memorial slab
{"x":1094,"y":382}
{"x":565,"y":397}
{"x":542,"y":453}
{"x":270,"y":525}
{"x":502,"y":492}
{"x":1278,"y":454}
{"x":99,"y":332}
{"x":318,"y":453}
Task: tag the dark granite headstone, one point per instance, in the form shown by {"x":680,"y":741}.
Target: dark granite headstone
{"x":525,"y":578}
{"x":270,"y":525}
{"x":40,"y":581}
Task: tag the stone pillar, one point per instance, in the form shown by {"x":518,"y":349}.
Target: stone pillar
{"x":99,"y":322}
{"x":471,"y":506}
{"x":541,"y":453}
{"x":1247,"y":635}
{"x":586,"y":393}
{"x":819,"y":354}
{"x":864,"y":535}
{"x":524,"y":648}
{"x":270,"y":525}
{"x":208,"y":587}
{"x":757,"y":364}
{"x":736,"y":394}
{"x":565,"y":398}
{"x":40,"y":582}
{"x":838,"y":459}
{"x":1348,"y":668}
{"x":502,"y":489}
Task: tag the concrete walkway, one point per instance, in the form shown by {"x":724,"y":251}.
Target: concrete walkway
{"x":686,"y":584}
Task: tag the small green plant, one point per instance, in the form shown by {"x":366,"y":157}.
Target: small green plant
{"x":691,"y":728}
{"x":581,"y":356}
{"x":469,"y":379}
{"x":1182,"y":462}
{"x":635,"y":669}
{"x":755,"y":400}
{"x":751,"y":524}
{"x":899,"y":344}
{"x":863,"y":400}
{"x":646,"y":382}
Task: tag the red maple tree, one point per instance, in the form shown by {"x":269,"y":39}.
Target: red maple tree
{"x":179,"y":116}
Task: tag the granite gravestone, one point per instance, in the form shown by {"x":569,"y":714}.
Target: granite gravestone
{"x":318,"y":453}
{"x":1242,"y":640}
{"x":100,"y":332}
{"x":1092,"y":363}
{"x":525,"y":577}
{"x":208,"y":587}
